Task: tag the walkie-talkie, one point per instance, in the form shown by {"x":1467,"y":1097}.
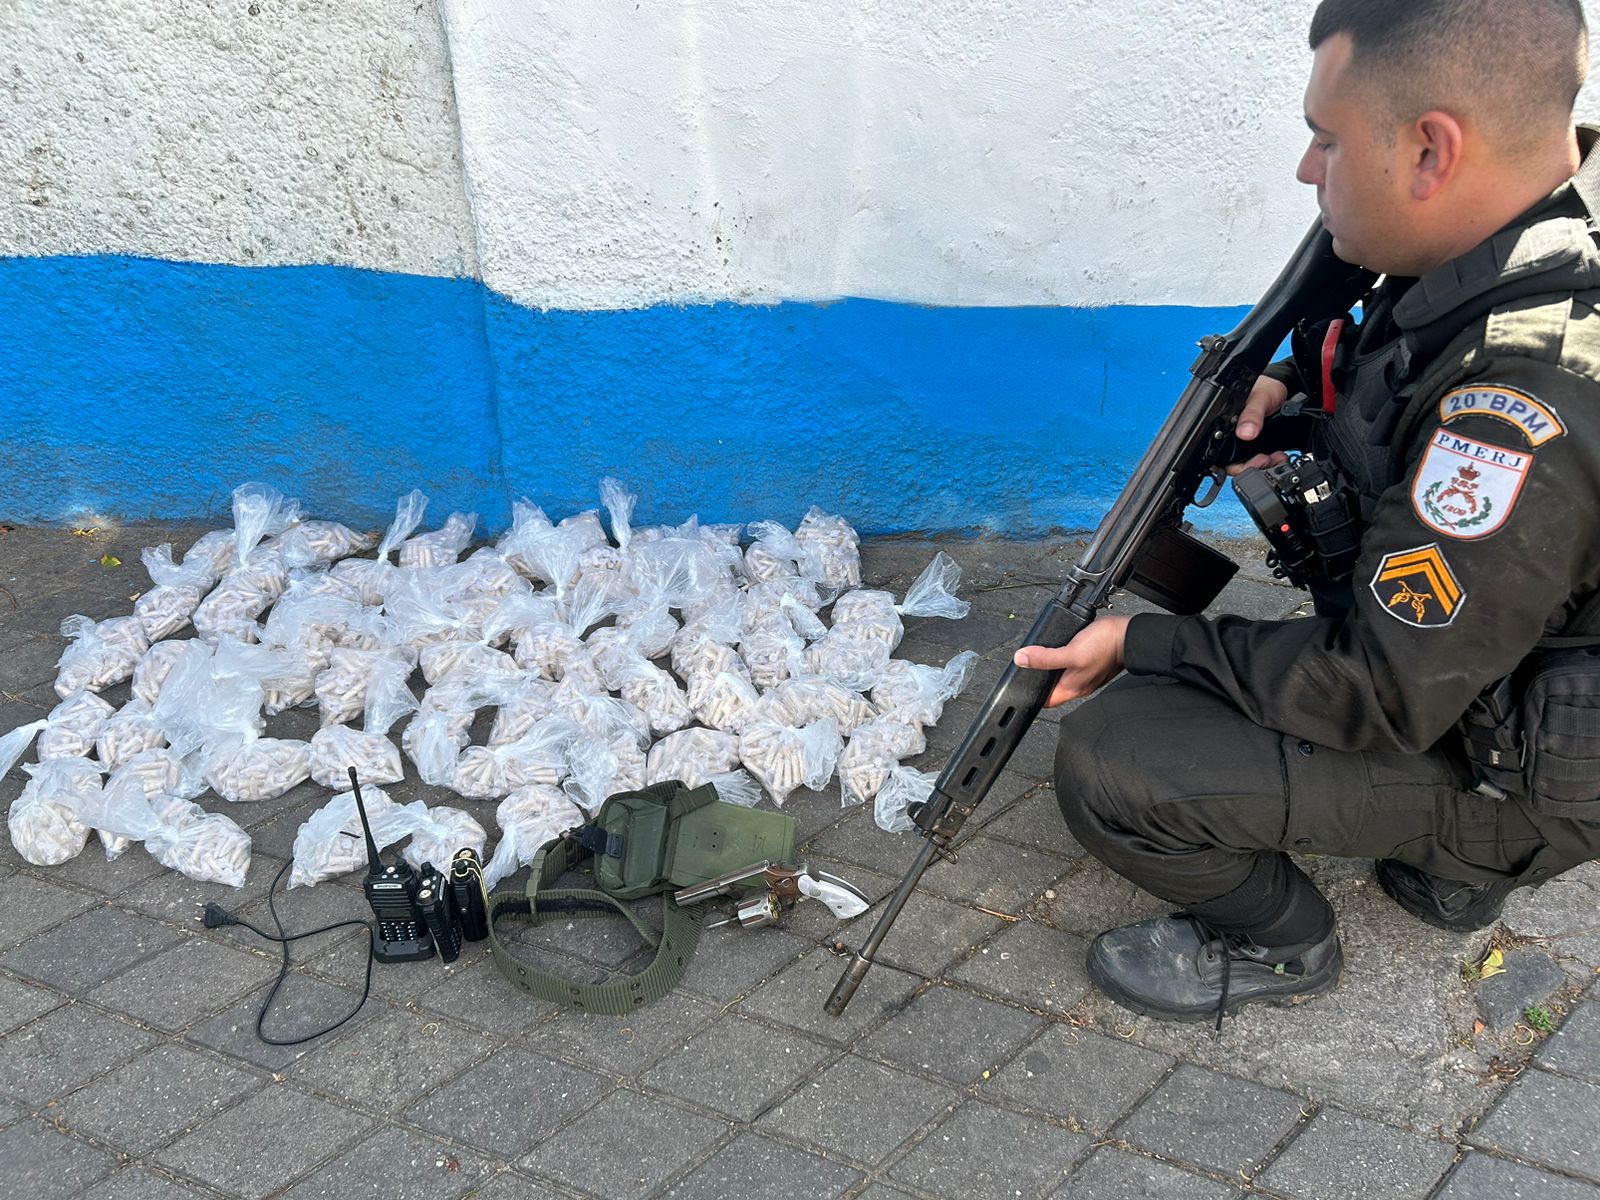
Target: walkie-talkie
{"x":436,"y":905}
{"x":466,"y":882}
{"x":398,"y":934}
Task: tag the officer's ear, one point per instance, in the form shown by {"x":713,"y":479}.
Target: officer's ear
{"x":1436,"y":141}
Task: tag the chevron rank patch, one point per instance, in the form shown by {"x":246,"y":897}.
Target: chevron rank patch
{"x":1465,"y":488}
{"x":1418,"y":588}
{"x":1537,"y":420}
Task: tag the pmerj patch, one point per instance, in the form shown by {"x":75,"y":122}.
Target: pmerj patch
{"x":1465,"y":488}
{"x":1417,"y":587}
{"x":1537,"y":420}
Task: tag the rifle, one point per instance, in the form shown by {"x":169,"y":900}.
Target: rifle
{"x":1142,"y":545}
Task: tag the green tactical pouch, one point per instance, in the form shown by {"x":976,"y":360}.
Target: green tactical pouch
{"x":655,"y":840}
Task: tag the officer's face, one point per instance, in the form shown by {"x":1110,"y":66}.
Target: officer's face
{"x":1360,"y":181}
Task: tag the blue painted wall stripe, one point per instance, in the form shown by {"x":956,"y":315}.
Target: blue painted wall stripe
{"x":149,"y":389}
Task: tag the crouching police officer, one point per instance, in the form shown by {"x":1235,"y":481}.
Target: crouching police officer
{"x":1461,"y":424}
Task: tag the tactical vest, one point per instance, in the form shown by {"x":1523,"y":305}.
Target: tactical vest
{"x":1513,"y":295}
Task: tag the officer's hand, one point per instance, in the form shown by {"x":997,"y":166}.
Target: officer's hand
{"x":1266,"y":398}
{"x":1087,"y":663}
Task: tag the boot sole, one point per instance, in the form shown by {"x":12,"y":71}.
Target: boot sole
{"x":1319,"y":984}
{"x":1423,"y":912}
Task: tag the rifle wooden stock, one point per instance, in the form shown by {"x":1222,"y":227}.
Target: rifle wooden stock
{"x":1140,"y":545}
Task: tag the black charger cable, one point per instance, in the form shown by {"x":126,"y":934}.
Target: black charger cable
{"x":214,"y":916}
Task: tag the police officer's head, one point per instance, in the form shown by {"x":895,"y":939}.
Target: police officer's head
{"x":1434,"y":122}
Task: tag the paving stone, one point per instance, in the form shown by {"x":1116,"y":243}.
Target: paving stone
{"x":402,"y":983}
{"x":394,"y":1164}
{"x":622,"y":1046}
{"x":339,"y":952}
{"x":89,"y":949}
{"x":64,"y":1049}
{"x":1480,"y":1177}
{"x":1575,"y":1048}
{"x":144,"y":1103}
{"x":1547,"y":1119}
{"x":882,"y":1191}
{"x":1343,"y":1157}
{"x":393,"y":1059}
{"x":1036,"y":821}
{"x":1078,"y":1076}
{"x":138,"y":1183}
{"x":929,"y":934}
{"x":859,"y":1111}
{"x":31,"y":905}
{"x":1530,"y":977}
{"x":303,"y":1005}
{"x":257,"y":1147}
{"x":507,"y":1103}
{"x":857,"y":840}
{"x":184,"y":984}
{"x":797,"y":994}
{"x":1093,"y":898}
{"x":484,"y":998}
{"x":42,"y":1164}
{"x":177,"y":898}
{"x":1030,"y":964}
{"x":1112,"y":1174}
{"x":92,"y":871}
{"x":981,"y":1151}
{"x":737,"y":1067}
{"x":731,"y":961}
{"x":1212,"y":1120}
{"x":625,"y":1146}
{"x":952,"y":1033}
{"x":993,"y":874}
{"x":21,"y":1003}
{"x":512,"y":1185}
{"x":755,"y":1166}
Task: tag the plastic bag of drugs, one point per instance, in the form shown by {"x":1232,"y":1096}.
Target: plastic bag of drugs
{"x":598,"y":769}
{"x":782,"y":757}
{"x":371,"y":577}
{"x":322,"y":543}
{"x":693,"y":755}
{"x":599,"y":715}
{"x":921,"y":692}
{"x":775,"y":552}
{"x":15,"y":744}
{"x":248,"y":769}
{"x":808,"y":698}
{"x":259,"y":511}
{"x":439,"y":833}
{"x":130,"y":730}
{"x":654,"y":693}
{"x":834,"y":545}
{"x":178,"y":833}
{"x":102,"y":653}
{"x":519,"y":702}
{"x":341,"y":690}
{"x":73,"y":725}
{"x":160,"y":772}
{"x":702,"y":659}
{"x":540,"y":756}
{"x":772,"y":650}
{"x":903,"y":787}
{"x":45,"y":821}
{"x":528,"y":818}
{"x":334,"y":749}
{"x":619,"y":504}
{"x":850,"y":656}
{"x":441,"y":547}
{"x":151,"y":672}
{"x":211,"y":555}
{"x":873,"y":614}
{"x":736,"y":787}
{"x":873,"y":751}
{"x":724,"y":701}
{"x":330,"y":841}
{"x":168,"y":606}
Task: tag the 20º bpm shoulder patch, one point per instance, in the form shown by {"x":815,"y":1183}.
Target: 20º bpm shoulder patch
{"x":1537,"y":420}
{"x":1465,"y":488}
{"x":1417,"y":587}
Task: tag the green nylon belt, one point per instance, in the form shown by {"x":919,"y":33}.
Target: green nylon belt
{"x":675,"y":945}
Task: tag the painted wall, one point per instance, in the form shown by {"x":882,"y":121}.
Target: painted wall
{"x":937,"y":266}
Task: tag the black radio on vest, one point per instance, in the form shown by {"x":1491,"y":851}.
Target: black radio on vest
{"x":398,"y":934}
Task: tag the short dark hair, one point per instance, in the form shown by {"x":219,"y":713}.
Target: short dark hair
{"x":1515,"y":65}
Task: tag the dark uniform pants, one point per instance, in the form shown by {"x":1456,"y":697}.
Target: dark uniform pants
{"x":1179,"y":792}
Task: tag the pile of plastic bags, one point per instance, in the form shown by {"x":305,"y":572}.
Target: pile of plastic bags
{"x":608,"y":661}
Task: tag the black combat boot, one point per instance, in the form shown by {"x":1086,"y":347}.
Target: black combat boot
{"x":1443,"y":903}
{"x":1210,"y":960}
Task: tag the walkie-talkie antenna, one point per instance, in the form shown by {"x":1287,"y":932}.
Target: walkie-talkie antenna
{"x":373,"y":867}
